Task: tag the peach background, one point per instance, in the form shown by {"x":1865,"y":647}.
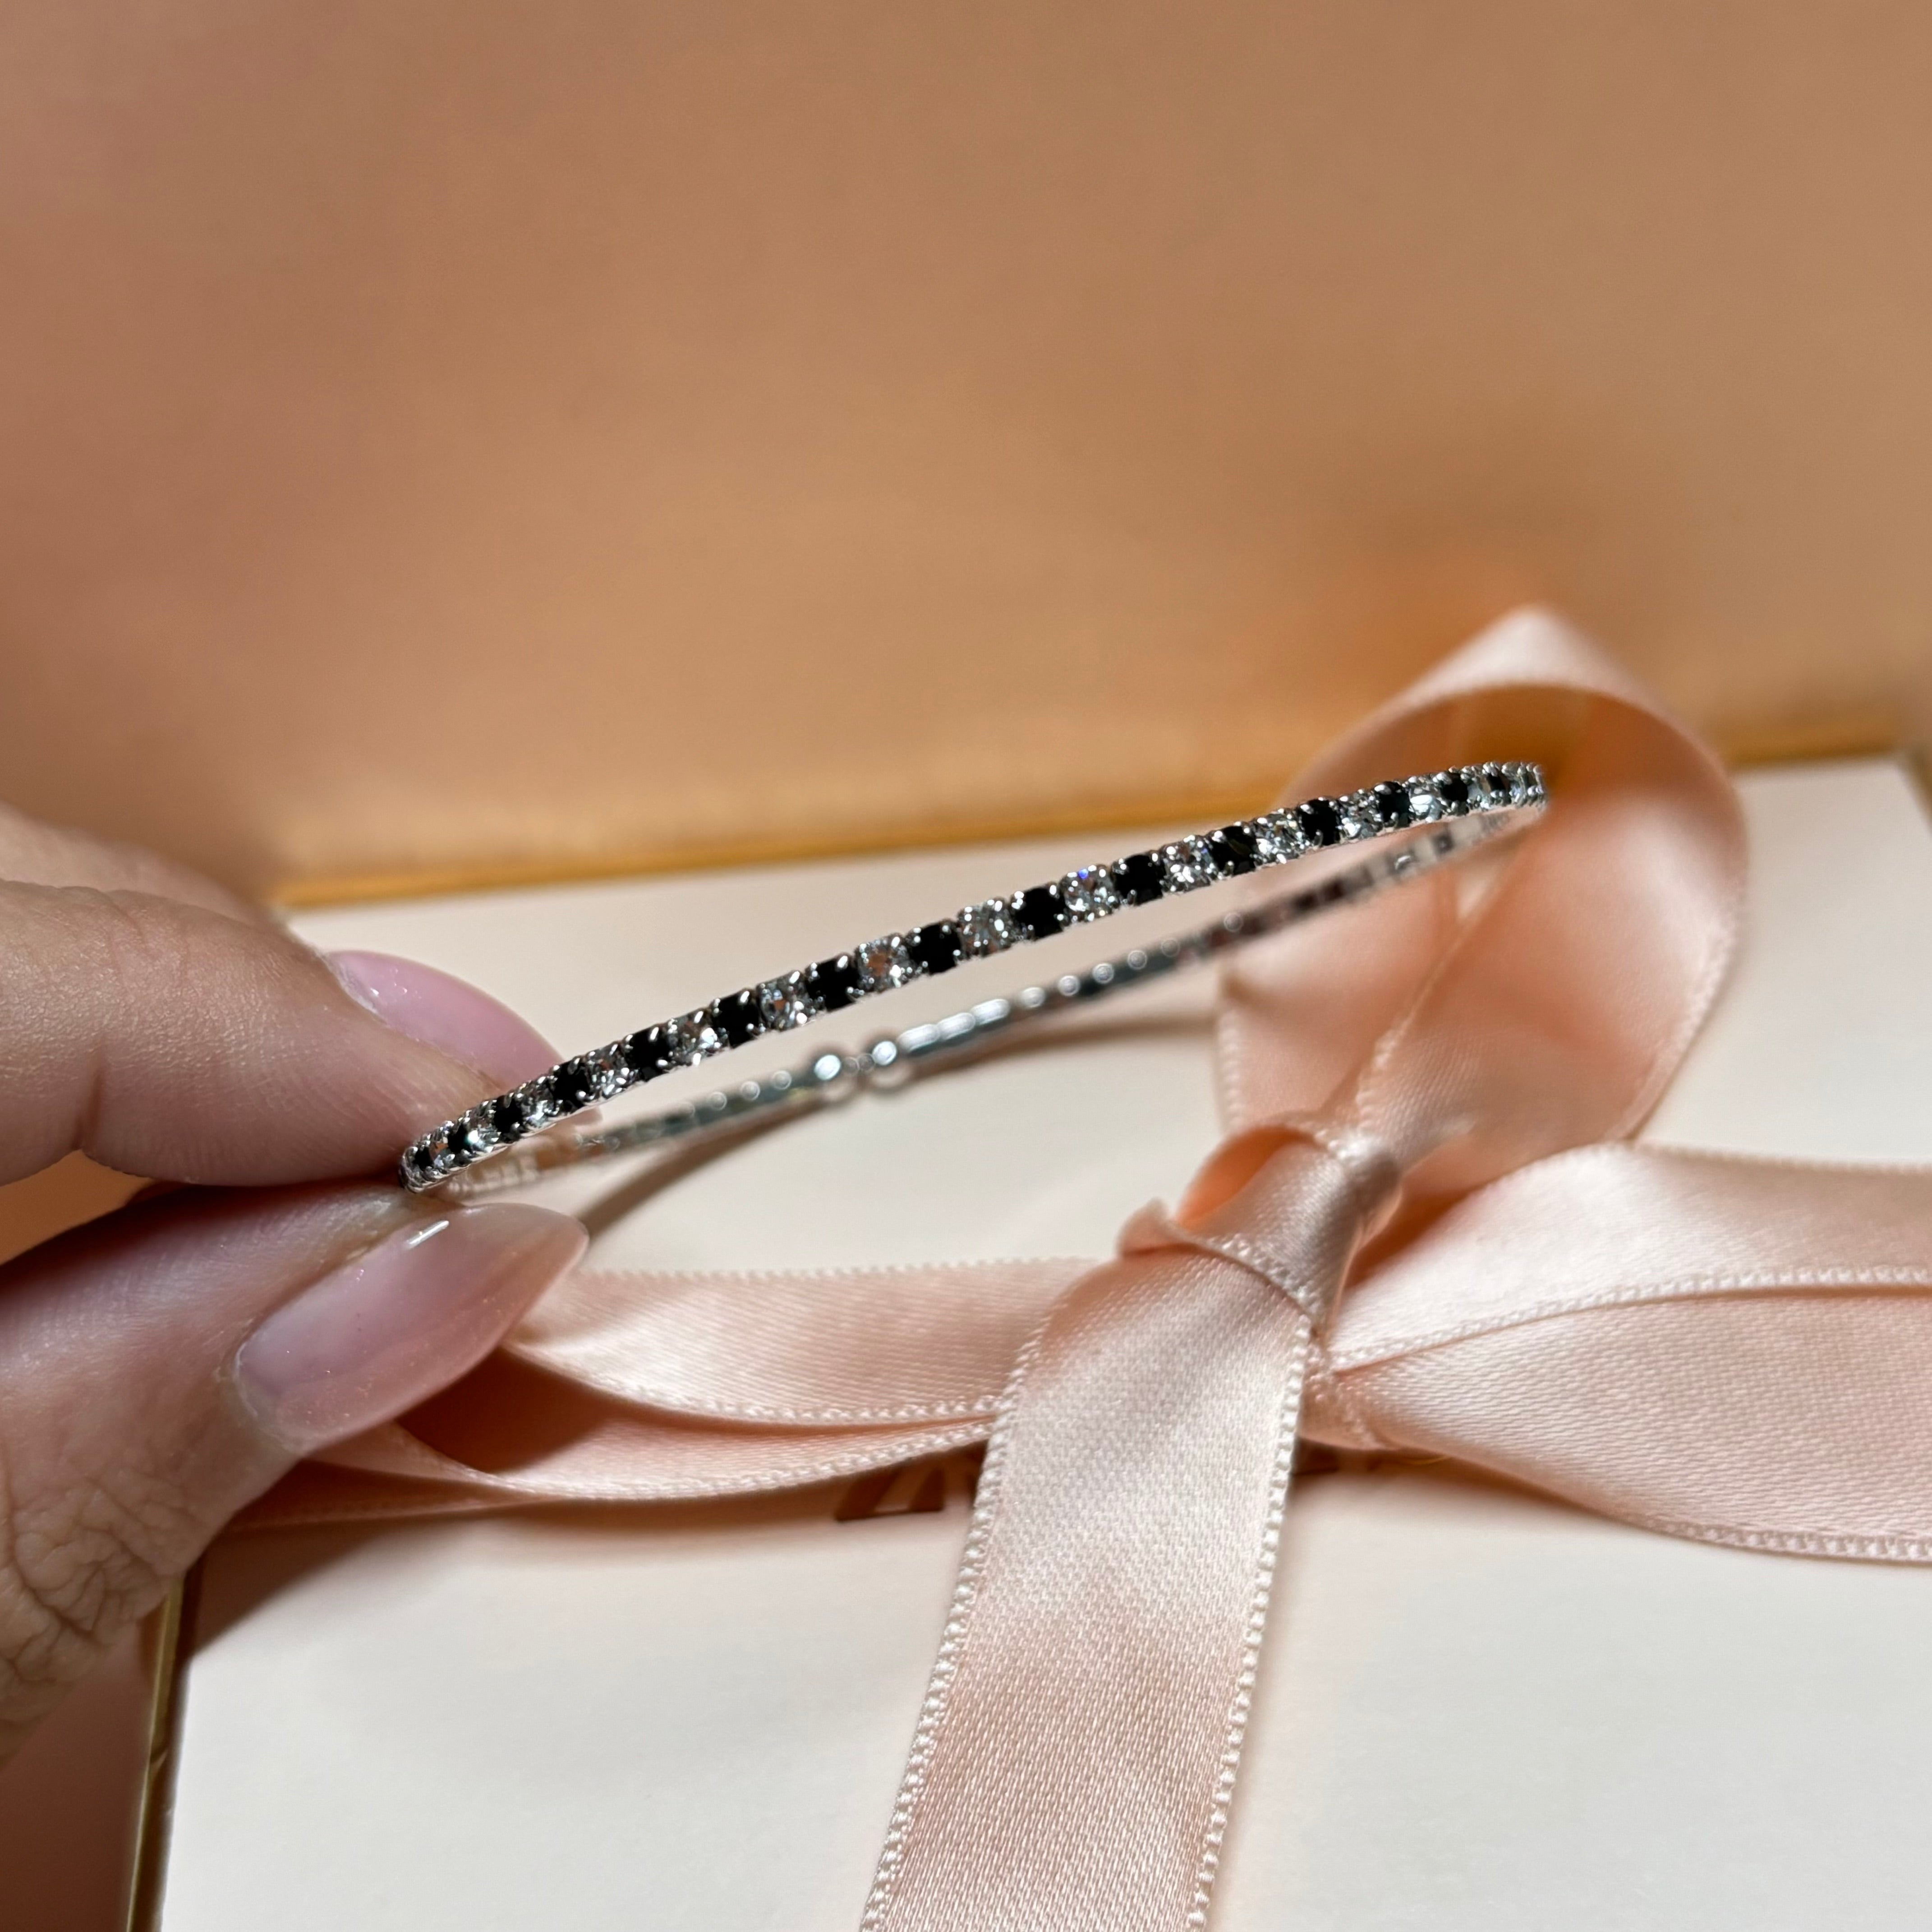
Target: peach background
{"x":445,"y":439}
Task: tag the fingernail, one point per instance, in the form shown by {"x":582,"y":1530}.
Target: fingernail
{"x":396,"y":1323}
{"x":446,"y":1013}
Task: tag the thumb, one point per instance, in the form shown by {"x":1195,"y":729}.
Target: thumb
{"x":162,"y":1368}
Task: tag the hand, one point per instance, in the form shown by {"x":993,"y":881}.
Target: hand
{"x":161,"y":1367}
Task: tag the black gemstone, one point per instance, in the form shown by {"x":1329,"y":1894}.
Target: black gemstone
{"x":1453,"y":789}
{"x":571,"y":1086}
{"x":1496,"y":780}
{"x":935,"y":947}
{"x":834,"y":982}
{"x":736,"y":1018}
{"x":1234,"y":848}
{"x":648,"y":1052}
{"x":506,"y":1116}
{"x":1138,"y":878}
{"x":1040,"y":913}
{"x":1392,"y":801}
{"x":1321,"y":824}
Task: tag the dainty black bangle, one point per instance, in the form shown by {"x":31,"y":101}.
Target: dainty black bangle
{"x":1086,"y":894}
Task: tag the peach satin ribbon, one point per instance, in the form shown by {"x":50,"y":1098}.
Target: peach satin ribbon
{"x":1432,"y":1100}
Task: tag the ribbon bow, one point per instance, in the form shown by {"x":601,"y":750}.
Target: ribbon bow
{"x":1427,"y":1231}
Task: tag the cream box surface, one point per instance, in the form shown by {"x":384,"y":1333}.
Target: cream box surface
{"x":1480,"y":1709}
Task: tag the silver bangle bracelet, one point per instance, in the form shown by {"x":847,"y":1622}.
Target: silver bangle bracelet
{"x":1426,"y":820}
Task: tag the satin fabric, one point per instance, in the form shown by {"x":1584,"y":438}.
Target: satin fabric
{"x":1426,"y":1231}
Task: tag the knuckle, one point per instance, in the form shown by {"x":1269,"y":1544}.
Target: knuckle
{"x":77,"y":1565}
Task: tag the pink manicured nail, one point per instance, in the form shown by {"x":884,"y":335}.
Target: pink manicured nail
{"x":447,"y":1013}
{"x":396,"y":1324}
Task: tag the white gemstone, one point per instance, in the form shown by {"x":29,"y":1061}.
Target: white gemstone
{"x":1089,"y":892}
{"x":476,"y":1132}
{"x":1277,"y":837}
{"x":1422,"y":801}
{"x":692,"y":1039}
{"x":986,"y":928}
{"x":1361,"y":817}
{"x":883,"y":964}
{"x":784,"y":1003}
{"x":538,"y":1103}
{"x":1186,"y":864}
{"x":605,"y":1073}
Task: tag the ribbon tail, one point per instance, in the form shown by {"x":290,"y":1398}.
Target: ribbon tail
{"x":1076,"y":1756}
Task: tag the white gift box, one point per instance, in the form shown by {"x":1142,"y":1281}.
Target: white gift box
{"x":1478,"y":1708}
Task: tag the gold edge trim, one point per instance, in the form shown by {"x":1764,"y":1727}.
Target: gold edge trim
{"x":726,"y":854}
{"x":1839,"y":739}
{"x":172,"y":1641}
{"x":1820,"y":743}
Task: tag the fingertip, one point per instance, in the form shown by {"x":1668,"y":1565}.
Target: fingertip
{"x":400,"y":1321}
{"x":441,"y":1011}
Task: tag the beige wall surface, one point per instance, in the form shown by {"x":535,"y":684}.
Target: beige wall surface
{"x":443,"y":437}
